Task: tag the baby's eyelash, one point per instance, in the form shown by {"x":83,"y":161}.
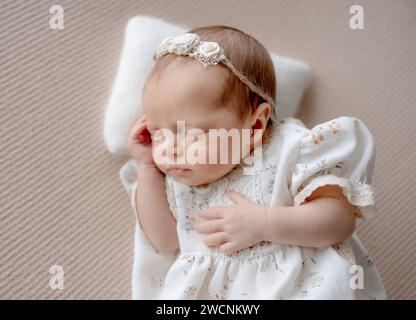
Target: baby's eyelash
{"x":194,"y":137}
{"x":158,"y":136}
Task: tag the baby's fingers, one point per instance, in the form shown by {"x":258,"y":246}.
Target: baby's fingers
{"x":216,"y":239}
{"x":139,"y":123}
{"x":140,"y":134}
{"x":211,"y":213}
{"x":141,"y":131}
{"x":209,"y":226}
{"x":142,"y":119}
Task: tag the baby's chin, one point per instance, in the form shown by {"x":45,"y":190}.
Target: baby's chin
{"x":190,"y":179}
{"x":197,"y":176}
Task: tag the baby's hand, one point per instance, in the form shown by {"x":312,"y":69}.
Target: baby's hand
{"x":232,"y":228}
{"x":139,"y":143}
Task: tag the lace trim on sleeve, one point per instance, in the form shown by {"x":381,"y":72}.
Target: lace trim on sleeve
{"x":359,"y":194}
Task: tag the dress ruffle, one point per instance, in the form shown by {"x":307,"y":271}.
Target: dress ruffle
{"x":359,"y":194}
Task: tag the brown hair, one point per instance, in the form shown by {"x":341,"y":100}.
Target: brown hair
{"x":250,"y":58}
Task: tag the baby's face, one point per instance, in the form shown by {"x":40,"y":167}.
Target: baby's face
{"x":190,"y":93}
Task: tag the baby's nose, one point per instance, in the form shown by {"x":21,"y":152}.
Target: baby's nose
{"x":173,"y":149}
{"x":177,"y":150}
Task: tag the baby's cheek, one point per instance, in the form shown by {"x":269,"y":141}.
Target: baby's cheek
{"x":231,"y":151}
{"x":159,"y":153}
{"x":213,"y":152}
{"x":217,"y":152}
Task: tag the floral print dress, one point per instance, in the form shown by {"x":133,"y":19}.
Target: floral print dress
{"x":294,"y":163}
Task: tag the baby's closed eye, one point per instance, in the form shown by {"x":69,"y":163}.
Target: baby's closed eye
{"x":194,"y":136}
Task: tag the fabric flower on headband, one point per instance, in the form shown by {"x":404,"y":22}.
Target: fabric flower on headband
{"x":190,"y":44}
{"x":207,"y":53}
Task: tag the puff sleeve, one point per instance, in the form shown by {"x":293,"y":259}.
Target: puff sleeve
{"x":337,"y":152}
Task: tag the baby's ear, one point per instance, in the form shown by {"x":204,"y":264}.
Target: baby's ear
{"x":261,"y":116}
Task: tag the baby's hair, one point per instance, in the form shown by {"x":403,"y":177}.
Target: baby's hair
{"x":250,"y":58}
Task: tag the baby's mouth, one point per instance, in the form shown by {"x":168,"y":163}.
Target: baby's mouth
{"x":177,"y":170}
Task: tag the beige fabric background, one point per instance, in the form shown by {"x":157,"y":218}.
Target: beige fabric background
{"x":61,"y":201}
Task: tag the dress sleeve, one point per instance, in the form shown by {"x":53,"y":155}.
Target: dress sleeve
{"x":337,"y":152}
{"x":150,"y":265}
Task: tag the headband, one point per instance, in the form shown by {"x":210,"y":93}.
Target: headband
{"x":207,"y":53}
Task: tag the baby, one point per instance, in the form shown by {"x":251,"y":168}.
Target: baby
{"x":215,"y":231}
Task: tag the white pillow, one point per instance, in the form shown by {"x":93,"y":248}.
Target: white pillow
{"x":142,"y":36}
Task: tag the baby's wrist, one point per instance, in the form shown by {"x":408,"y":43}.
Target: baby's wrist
{"x":265,"y":232}
{"x":146,"y":168}
{"x":143,"y":165}
{"x":274,"y":223}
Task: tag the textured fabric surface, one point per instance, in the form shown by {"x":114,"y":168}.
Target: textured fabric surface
{"x":61,"y":201}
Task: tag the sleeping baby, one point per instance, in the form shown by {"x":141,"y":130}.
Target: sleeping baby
{"x":233,"y":202}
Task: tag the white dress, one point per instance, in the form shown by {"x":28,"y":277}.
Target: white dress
{"x":294,"y":163}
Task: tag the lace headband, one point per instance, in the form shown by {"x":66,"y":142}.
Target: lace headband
{"x":207,"y":53}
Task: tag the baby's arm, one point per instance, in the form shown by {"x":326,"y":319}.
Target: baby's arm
{"x":153,"y":209}
{"x":152,"y":205}
{"x":326,"y":219}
